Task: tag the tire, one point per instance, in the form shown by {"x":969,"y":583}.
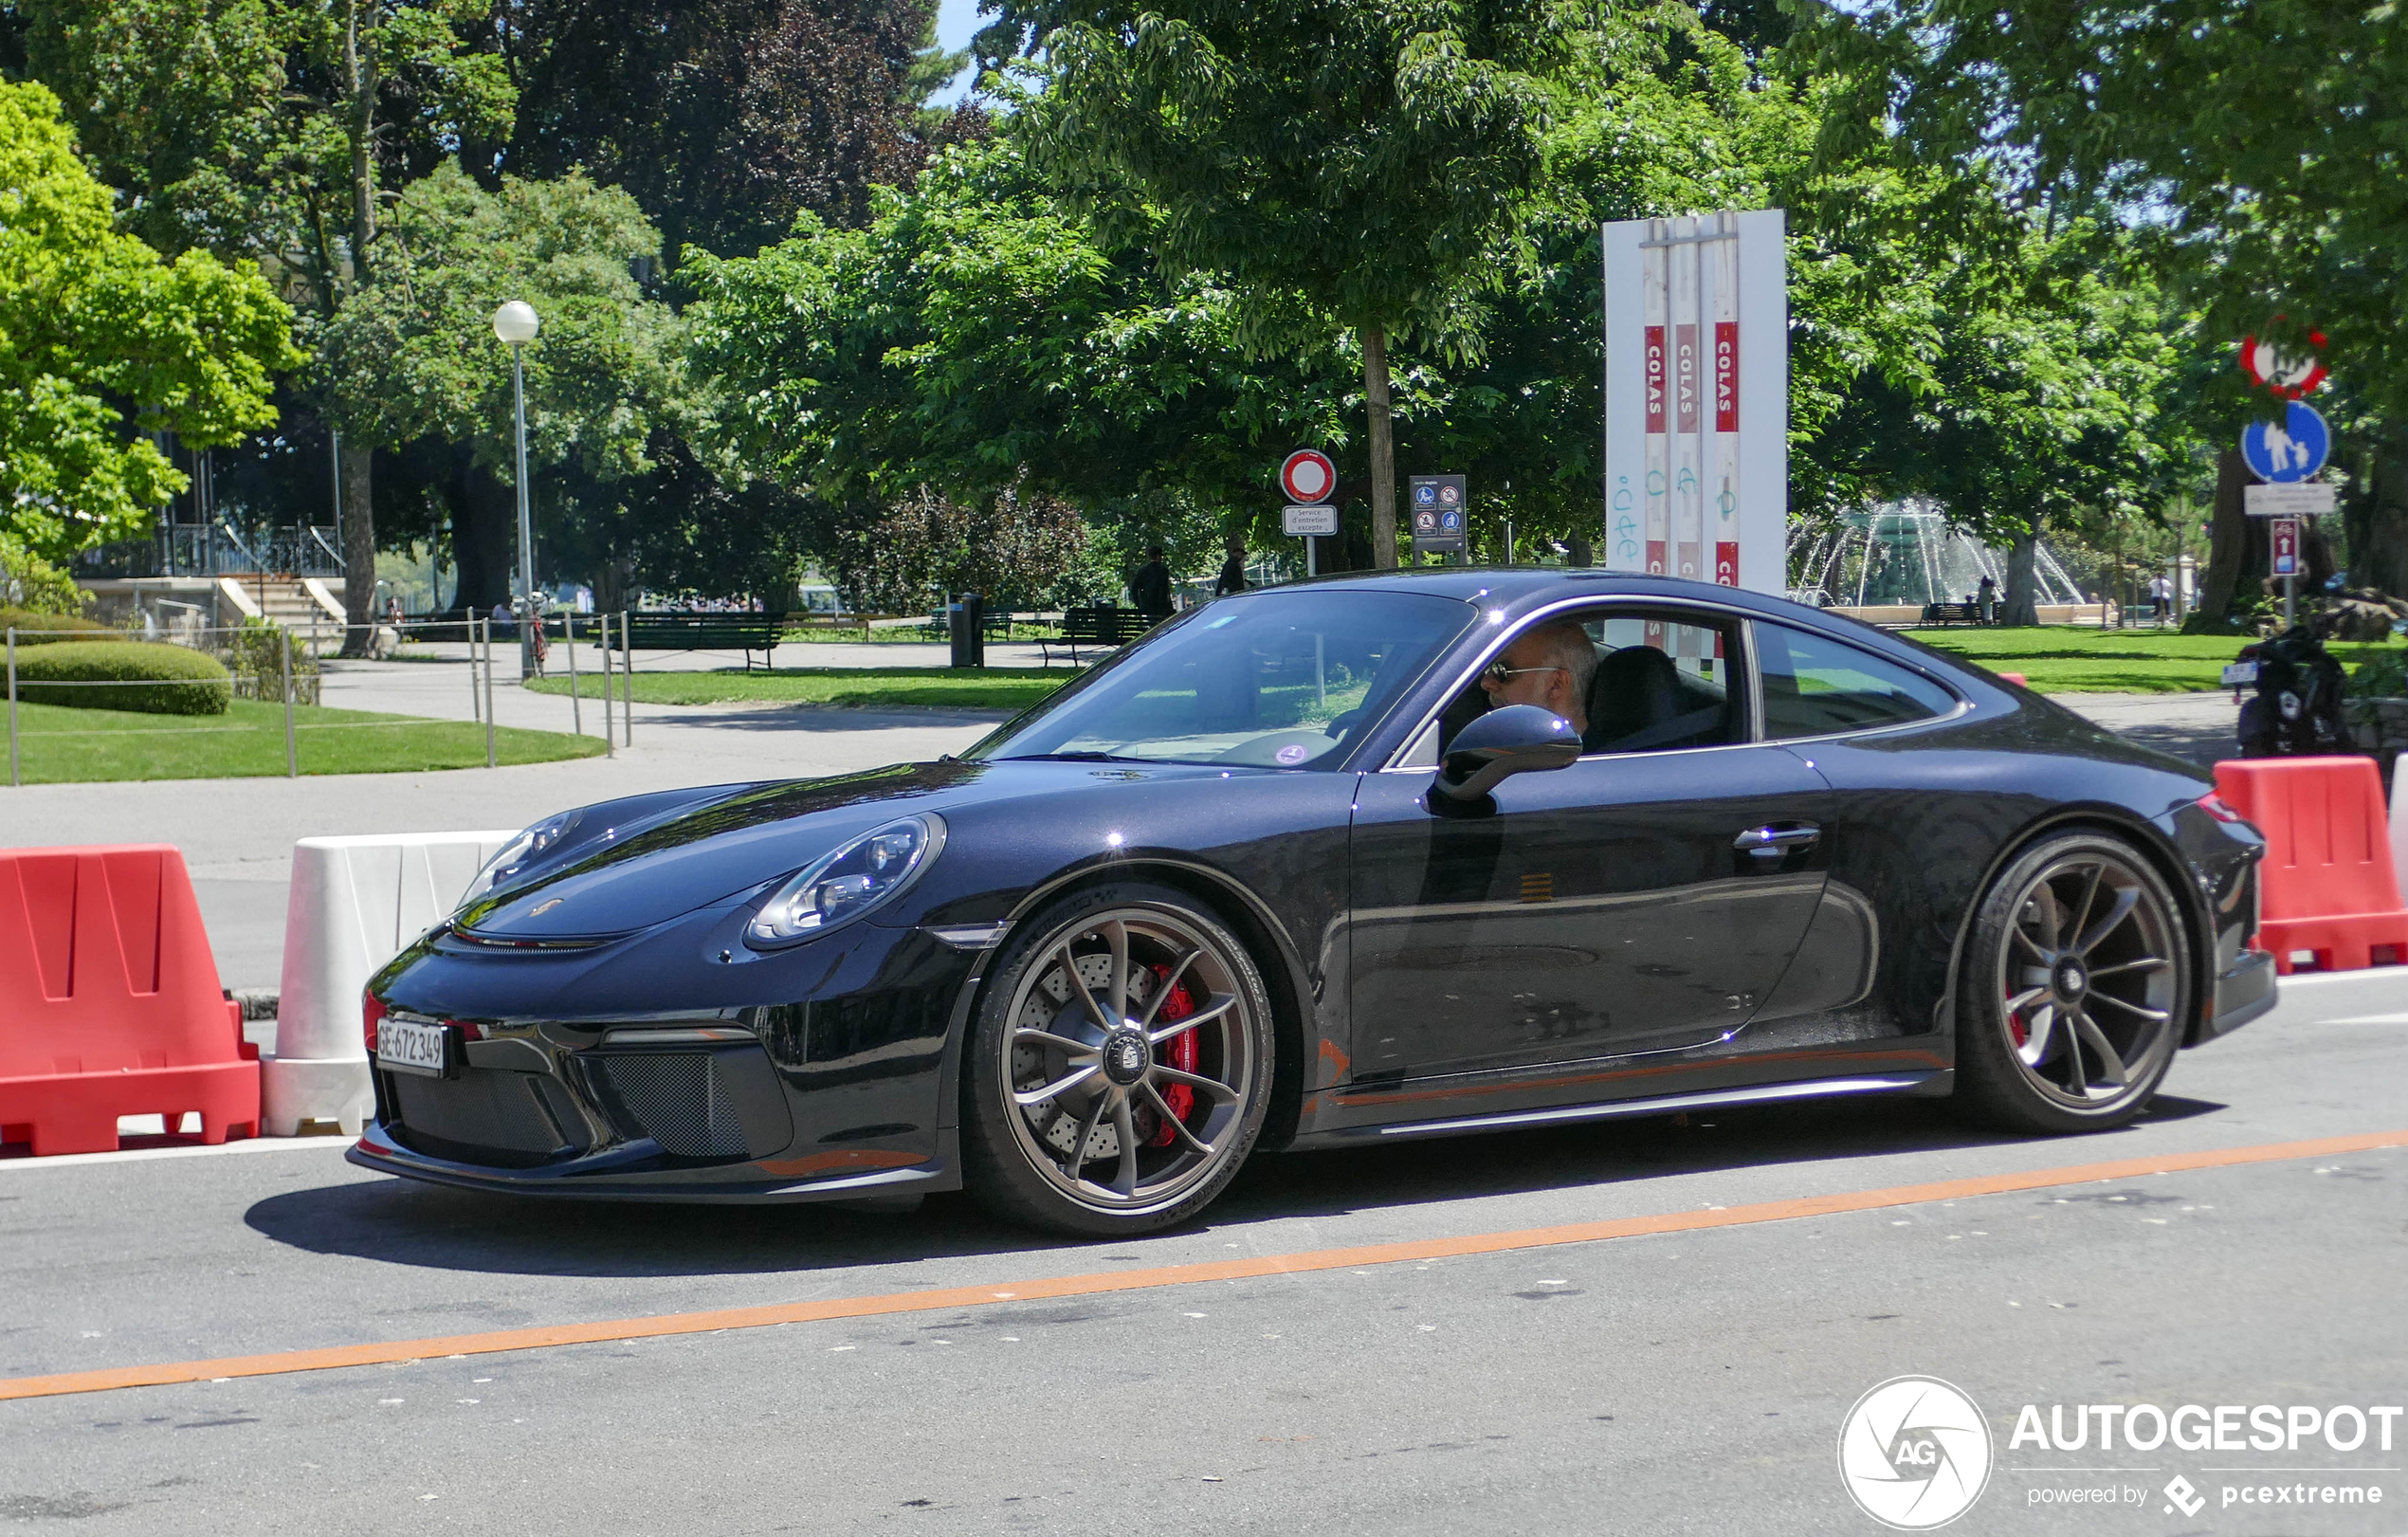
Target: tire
{"x":2075,"y":988}
{"x":1159,"y":1098}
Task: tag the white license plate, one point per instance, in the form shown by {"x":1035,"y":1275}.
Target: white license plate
{"x":2239,"y":672}
{"x":406,"y":1046}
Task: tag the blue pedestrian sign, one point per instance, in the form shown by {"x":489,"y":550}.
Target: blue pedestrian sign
{"x":2294,"y":452}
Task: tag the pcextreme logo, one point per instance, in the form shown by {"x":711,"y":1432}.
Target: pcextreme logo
{"x":1914,"y":1453}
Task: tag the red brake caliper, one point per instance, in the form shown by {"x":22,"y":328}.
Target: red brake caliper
{"x":1179,"y":1051}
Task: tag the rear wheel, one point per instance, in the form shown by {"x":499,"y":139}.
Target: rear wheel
{"x":2074,"y":989}
{"x":1119,"y":1067}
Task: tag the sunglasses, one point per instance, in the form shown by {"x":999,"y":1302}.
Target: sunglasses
{"x":1498,"y":674}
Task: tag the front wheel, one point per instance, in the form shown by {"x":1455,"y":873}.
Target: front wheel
{"x":1120,"y":1065}
{"x":2074,"y":989}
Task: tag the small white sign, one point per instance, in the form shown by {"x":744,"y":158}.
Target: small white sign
{"x":1318,"y":518}
{"x":2297,"y":499}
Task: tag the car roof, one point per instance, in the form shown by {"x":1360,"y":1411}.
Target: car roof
{"x":1516,"y":587}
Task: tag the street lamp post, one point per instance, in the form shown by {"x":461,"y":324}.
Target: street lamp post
{"x":515,"y":322}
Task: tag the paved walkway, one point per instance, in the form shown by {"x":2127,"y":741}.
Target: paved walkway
{"x":2200,"y":727}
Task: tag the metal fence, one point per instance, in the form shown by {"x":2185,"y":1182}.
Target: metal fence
{"x":272,"y":665}
{"x":217,"y":550}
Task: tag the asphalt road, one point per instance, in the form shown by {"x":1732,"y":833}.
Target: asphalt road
{"x":1691,"y":1380}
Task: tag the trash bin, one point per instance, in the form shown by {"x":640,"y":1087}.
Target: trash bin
{"x":965,"y":622}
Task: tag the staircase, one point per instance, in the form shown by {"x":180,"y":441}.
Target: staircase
{"x":297,"y":603}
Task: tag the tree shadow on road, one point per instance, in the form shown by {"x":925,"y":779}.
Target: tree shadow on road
{"x":403,"y":1222}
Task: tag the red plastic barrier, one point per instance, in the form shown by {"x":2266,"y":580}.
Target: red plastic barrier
{"x":2326,"y":885}
{"x":109,"y":1001}
{"x":2015,"y":678}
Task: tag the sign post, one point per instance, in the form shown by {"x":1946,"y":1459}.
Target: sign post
{"x":1438,"y":503}
{"x":1309,"y":479}
{"x":2286,"y":457}
{"x":1697,"y":399}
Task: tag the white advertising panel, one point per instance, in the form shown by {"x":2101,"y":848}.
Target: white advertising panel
{"x":1697,"y":399}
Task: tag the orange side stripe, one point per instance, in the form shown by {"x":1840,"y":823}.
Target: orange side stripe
{"x":391,"y":1352}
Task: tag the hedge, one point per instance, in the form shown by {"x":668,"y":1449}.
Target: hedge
{"x":156,"y":679}
{"x":23,"y":621}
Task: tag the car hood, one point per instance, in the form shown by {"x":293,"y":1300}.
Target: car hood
{"x":601,"y":884}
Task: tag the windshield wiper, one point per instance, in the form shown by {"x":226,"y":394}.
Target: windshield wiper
{"x":1075,"y":757}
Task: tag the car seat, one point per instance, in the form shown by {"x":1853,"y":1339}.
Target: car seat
{"x":1636,"y":703}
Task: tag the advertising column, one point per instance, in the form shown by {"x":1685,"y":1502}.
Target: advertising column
{"x":1696,"y":480}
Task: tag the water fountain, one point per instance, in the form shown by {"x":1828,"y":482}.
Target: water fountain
{"x":1905,"y":553}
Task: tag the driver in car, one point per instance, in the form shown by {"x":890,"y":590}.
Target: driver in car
{"x":1551,"y":667}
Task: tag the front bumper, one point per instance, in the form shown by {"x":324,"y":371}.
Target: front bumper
{"x":851,"y":1176}
{"x":2242,"y":992}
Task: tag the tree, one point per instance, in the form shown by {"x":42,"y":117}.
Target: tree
{"x":98,"y":334}
{"x":413,"y":355}
{"x":1013,"y":547}
{"x":2256,"y":143}
{"x":980,"y":335}
{"x":725,"y":118}
{"x":276,"y":129}
{"x":1345,"y":167}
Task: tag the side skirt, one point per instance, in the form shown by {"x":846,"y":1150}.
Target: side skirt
{"x":1889,"y":1082}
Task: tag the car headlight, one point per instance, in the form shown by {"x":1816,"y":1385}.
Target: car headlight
{"x":850,"y":880}
{"x":517,"y":853}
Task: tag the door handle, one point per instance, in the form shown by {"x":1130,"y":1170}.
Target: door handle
{"x":1771,"y":843}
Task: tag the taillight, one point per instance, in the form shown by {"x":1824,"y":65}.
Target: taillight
{"x":371,"y":1012}
{"x":2214,"y":805}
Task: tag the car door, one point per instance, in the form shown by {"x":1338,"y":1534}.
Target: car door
{"x":1639,"y":900}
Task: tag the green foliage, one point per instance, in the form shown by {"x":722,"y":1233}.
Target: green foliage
{"x":118,"y":675}
{"x":30,"y":585}
{"x":1338,"y":163}
{"x":2383,"y":674}
{"x":40,"y":626}
{"x":2263,"y":140}
{"x":232,"y":123}
{"x":91,"y":319}
{"x":413,"y":354}
{"x":1015,"y":548}
{"x":255,"y":656}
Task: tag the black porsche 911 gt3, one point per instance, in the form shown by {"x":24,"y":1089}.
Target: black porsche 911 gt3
{"x":1292,"y":871}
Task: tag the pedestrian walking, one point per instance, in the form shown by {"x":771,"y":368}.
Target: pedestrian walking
{"x":1150,"y":589}
{"x":1988,"y":598}
{"x":2160,"y":598}
{"x":1233,"y":577}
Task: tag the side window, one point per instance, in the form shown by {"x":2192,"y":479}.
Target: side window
{"x":1634,"y":681}
{"x":1814,"y":687}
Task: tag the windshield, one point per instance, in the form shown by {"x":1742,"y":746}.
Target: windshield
{"x":1277,"y":679}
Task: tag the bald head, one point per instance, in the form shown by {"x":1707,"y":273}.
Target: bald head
{"x":1551,"y":667}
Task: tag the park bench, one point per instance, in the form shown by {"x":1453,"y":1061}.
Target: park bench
{"x":1099,"y":628}
{"x":746,"y":632}
{"x":1951,"y":614}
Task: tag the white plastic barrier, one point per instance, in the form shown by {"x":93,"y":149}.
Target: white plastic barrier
{"x":2400,"y":819}
{"x":355,"y":903}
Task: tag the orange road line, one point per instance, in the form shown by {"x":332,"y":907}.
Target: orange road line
{"x":391,"y":1352}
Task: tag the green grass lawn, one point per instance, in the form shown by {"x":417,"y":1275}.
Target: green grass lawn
{"x":2072,"y":659}
{"x":981,"y":688}
{"x":59,"y":745}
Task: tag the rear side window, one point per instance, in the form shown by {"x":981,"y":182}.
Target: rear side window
{"x":1815,"y":685}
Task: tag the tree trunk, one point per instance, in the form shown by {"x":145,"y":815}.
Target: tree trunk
{"x":2378,"y":519}
{"x":2022,"y":606}
{"x":482,"y":531}
{"x":1383,"y":450}
{"x":359,"y":551}
{"x":2228,"y":541}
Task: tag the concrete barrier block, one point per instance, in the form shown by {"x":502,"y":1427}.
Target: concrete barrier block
{"x":355,"y":903}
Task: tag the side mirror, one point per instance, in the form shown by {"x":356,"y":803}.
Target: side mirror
{"x":1514,"y":739}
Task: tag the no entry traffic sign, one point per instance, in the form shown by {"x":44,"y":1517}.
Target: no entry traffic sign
{"x":1308,"y":476}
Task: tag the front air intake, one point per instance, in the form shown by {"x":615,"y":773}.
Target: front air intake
{"x":683,"y":1100}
